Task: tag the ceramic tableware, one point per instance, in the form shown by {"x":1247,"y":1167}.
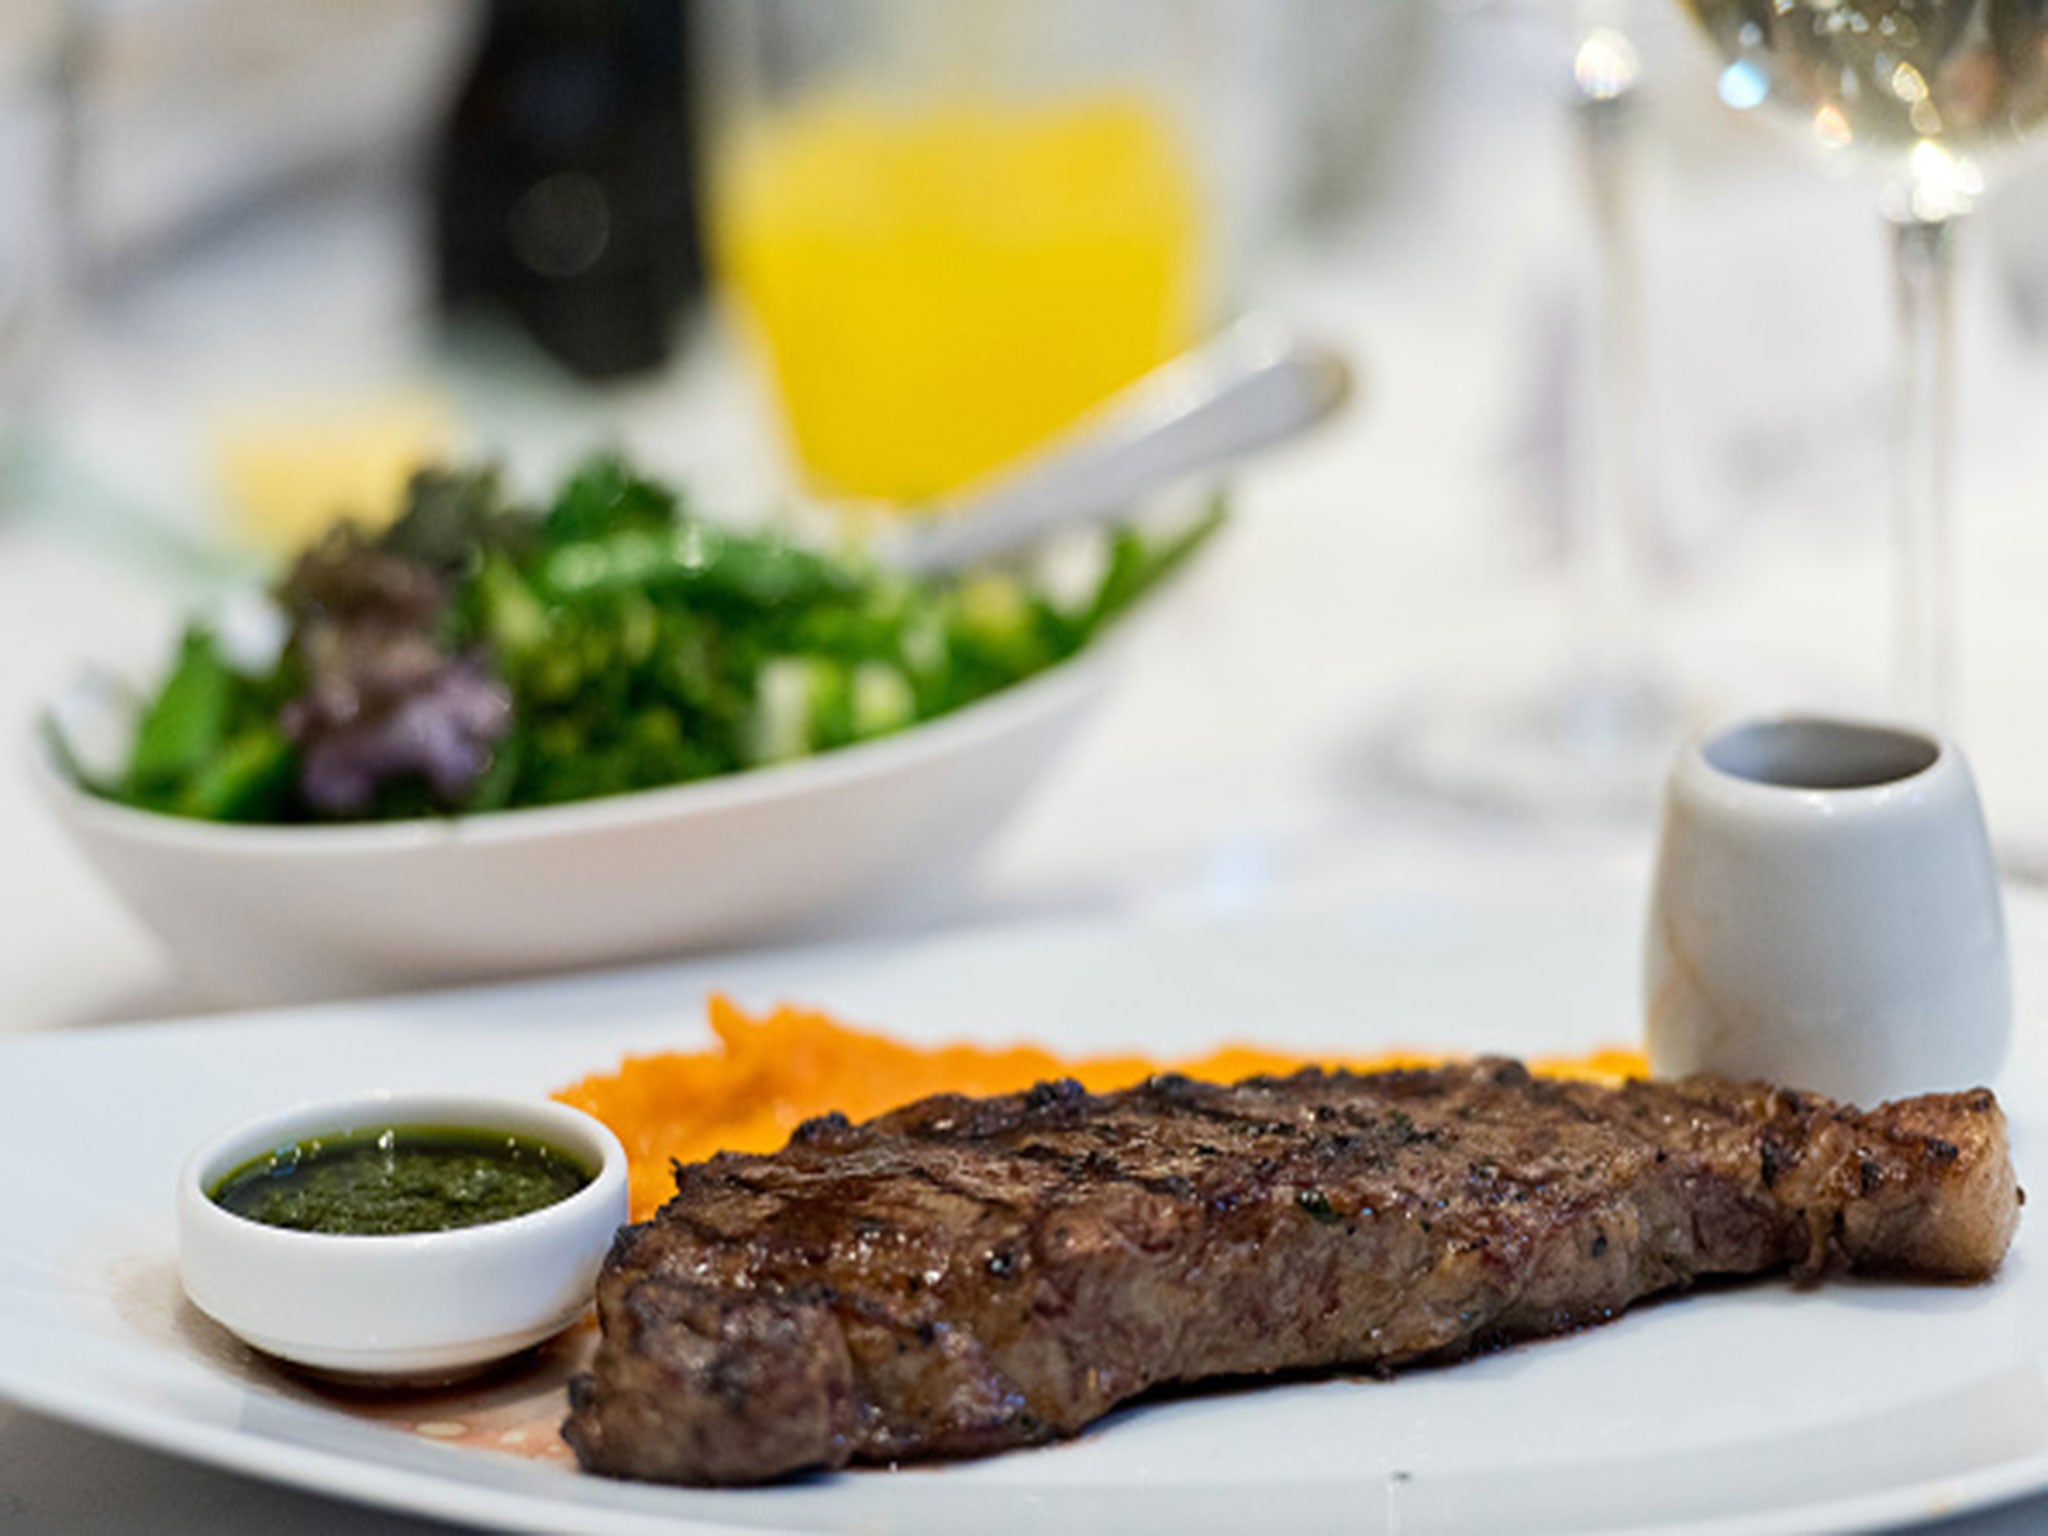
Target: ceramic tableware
{"x":282,"y":913}
{"x":1826,"y":913}
{"x":419,"y":1306}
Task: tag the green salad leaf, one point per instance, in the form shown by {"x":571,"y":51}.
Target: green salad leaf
{"x":183,"y":729}
{"x":483,"y":655}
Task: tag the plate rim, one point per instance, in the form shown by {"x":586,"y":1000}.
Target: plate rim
{"x":405,"y":1491}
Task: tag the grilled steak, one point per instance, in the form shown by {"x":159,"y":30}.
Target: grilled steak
{"x":964,"y":1275}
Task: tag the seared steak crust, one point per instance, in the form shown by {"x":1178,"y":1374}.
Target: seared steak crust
{"x":964,"y":1275}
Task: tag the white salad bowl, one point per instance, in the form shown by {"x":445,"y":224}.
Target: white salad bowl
{"x":423,"y":1306}
{"x":280,"y":913}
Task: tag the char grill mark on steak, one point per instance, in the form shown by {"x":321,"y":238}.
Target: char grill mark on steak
{"x":964,"y":1275}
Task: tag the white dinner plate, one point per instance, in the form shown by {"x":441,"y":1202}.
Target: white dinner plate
{"x":1757,"y":1408}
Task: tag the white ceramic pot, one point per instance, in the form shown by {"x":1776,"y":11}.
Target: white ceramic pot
{"x":1826,"y":914}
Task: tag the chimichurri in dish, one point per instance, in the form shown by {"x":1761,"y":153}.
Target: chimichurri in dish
{"x":400,"y":1179}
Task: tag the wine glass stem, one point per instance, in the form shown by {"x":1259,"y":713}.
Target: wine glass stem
{"x":1608,"y":499}
{"x":1923,"y":436}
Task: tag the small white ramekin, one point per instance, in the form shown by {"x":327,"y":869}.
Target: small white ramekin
{"x":1826,"y":914}
{"x":421,"y":1306}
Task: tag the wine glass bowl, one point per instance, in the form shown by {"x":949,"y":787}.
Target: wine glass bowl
{"x":1927,"y":85}
{"x":1922,"y":92}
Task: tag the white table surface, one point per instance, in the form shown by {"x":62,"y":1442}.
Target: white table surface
{"x":1401,"y":555}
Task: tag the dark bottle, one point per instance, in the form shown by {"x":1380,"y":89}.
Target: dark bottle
{"x":566,"y":185}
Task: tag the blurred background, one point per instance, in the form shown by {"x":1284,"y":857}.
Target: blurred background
{"x":260,"y":259}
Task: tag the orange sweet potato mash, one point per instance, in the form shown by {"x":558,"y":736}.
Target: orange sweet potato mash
{"x":768,"y":1074}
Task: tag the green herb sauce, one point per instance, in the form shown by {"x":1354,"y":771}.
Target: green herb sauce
{"x":400,"y":1179}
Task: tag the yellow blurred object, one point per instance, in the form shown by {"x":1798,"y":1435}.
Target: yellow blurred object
{"x":769,"y":1074}
{"x":288,"y":478}
{"x":941,"y":288}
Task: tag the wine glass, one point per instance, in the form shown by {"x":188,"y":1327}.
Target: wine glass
{"x":1593,"y":733}
{"x":1920,"y":91}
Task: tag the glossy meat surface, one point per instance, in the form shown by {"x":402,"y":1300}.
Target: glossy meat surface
{"x":966,"y":1275}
